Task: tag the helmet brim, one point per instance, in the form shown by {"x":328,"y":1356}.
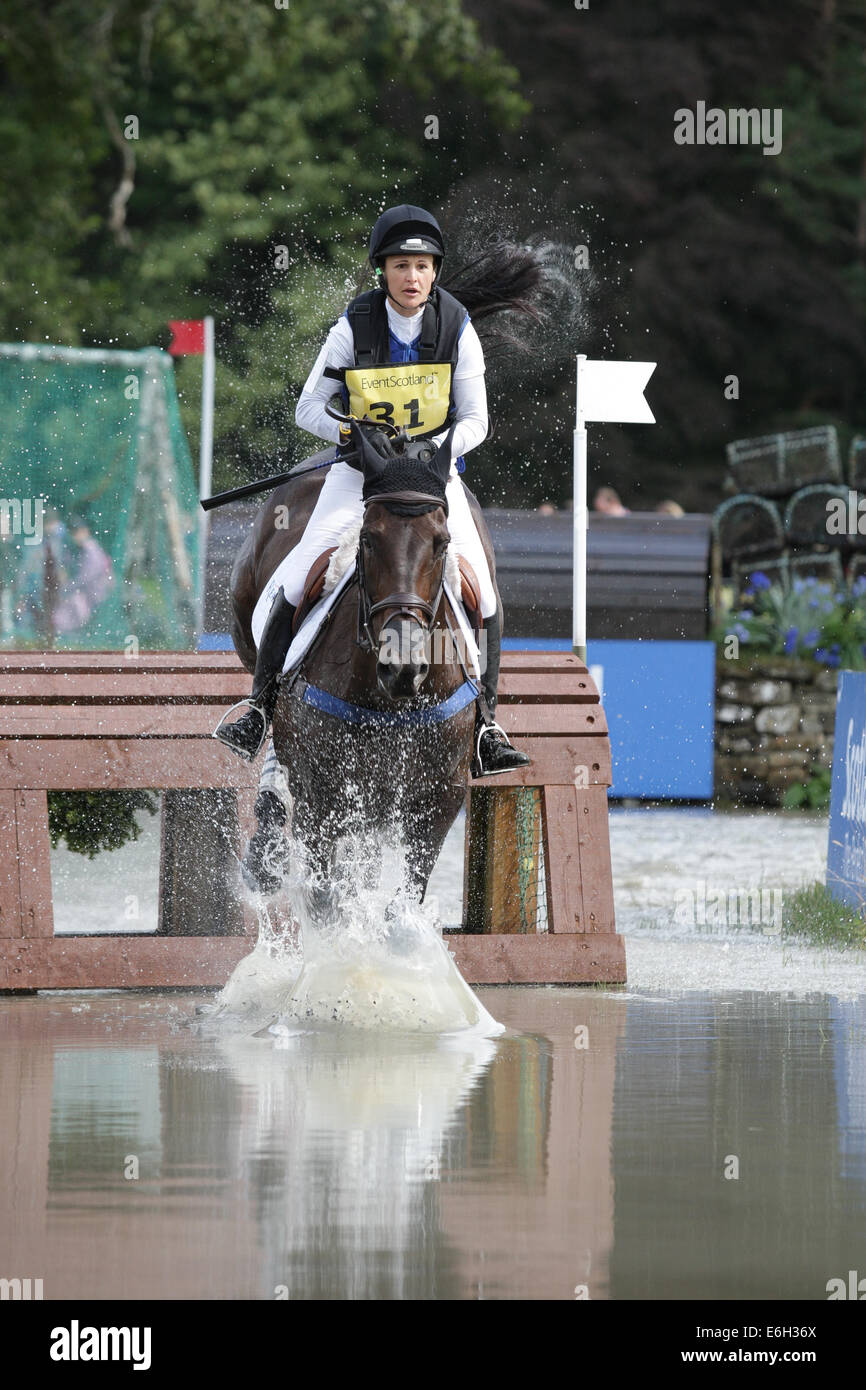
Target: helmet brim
{"x":411,"y":245}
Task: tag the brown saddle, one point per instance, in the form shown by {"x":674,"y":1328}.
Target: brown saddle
{"x":470,"y":592}
{"x":313,"y":586}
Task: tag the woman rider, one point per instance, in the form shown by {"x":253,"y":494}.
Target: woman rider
{"x":407,"y":318}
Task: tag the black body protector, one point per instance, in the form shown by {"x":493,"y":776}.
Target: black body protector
{"x":414,"y":396}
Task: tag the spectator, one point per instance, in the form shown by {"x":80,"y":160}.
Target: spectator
{"x":670,"y":508}
{"x":607,"y":501}
{"x":92,"y":580}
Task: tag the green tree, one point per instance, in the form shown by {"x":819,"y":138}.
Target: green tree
{"x":174,"y":161}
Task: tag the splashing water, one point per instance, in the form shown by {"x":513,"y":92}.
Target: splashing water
{"x":357,"y":949}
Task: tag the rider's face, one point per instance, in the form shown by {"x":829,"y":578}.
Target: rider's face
{"x":409,"y":280}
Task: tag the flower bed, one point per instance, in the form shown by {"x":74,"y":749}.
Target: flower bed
{"x":812,"y":619}
{"x":776,"y":688}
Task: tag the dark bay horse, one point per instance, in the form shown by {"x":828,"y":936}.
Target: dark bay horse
{"x":395,"y":758}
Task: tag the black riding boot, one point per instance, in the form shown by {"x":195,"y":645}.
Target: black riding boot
{"x":493,"y":751}
{"x":247,"y":735}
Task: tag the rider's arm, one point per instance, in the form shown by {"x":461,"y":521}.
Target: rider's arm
{"x":469,"y":394}
{"x":310,"y":414}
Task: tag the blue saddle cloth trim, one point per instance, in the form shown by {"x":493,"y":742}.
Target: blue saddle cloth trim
{"x":359,"y":714}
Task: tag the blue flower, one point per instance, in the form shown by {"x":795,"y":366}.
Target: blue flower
{"x":791,"y":640}
{"x":741,"y":632}
{"x":822,"y":655}
{"x":811,"y":637}
{"x":759,"y":580}
{"x":746,"y":613}
{"x":833,"y":659}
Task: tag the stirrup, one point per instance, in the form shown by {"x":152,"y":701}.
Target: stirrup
{"x":478,"y":769}
{"x":220,"y":733}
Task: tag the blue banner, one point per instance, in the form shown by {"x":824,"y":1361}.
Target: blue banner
{"x":659,"y":698}
{"x":846,"y":850}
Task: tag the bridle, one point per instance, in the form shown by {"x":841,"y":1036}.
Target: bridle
{"x":404,"y":605}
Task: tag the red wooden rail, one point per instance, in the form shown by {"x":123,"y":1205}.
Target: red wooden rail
{"x":100,"y":720}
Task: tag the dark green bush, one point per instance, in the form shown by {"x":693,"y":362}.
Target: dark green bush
{"x":90,"y":822}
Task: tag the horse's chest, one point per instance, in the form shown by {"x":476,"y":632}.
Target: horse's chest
{"x":325,"y":755}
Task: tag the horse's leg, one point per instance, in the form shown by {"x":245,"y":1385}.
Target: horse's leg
{"x":424,"y":831}
{"x":317,"y":849}
{"x":425,"y":835}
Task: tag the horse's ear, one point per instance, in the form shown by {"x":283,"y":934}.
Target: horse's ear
{"x":373,"y":452}
{"x":441,"y":463}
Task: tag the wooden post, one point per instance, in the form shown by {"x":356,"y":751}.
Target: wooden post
{"x":549,"y":705}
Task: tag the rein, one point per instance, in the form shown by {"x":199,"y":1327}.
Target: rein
{"x":404,"y":604}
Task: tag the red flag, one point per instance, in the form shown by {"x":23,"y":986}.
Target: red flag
{"x":188,"y":340}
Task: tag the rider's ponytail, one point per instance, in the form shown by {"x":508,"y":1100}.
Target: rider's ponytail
{"x":504,"y":278}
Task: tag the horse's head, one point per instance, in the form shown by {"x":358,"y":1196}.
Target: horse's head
{"x":401,"y":562}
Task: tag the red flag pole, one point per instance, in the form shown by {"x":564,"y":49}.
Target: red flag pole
{"x":205,"y":461}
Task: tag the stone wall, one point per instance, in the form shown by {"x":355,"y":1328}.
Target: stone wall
{"x":774,"y":721}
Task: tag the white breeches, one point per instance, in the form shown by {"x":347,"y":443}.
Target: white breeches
{"x":340,"y":504}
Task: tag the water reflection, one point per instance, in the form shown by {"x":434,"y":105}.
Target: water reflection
{"x":750,"y":1079}
{"x":582,"y":1152}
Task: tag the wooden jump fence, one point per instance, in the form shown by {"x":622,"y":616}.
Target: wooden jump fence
{"x":538,"y":900}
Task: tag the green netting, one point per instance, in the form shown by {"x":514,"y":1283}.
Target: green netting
{"x":98,"y":503}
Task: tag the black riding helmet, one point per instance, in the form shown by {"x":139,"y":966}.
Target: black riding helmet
{"x":406,"y":228}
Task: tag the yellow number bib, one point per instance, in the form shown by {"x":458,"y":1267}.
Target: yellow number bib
{"x":413,"y":396}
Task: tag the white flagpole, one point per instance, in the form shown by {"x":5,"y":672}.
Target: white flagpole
{"x":581,"y":521}
{"x":205,"y":461}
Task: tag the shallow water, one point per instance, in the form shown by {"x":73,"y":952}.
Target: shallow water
{"x":584,"y":1149}
{"x":698,"y":1134}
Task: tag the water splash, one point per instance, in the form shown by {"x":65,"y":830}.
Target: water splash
{"x":353,"y":949}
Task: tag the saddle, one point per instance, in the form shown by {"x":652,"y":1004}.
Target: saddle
{"x":470,"y":592}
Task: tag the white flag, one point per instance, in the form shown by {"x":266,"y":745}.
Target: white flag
{"x":613,"y":391}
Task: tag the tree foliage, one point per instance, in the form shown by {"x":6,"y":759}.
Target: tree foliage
{"x":89,"y":822}
{"x":257,"y":129}
{"x":261,"y":128}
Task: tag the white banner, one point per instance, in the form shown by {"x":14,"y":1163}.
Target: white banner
{"x":613,"y":391}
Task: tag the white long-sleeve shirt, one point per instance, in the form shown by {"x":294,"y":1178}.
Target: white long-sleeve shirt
{"x":468,"y":391}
